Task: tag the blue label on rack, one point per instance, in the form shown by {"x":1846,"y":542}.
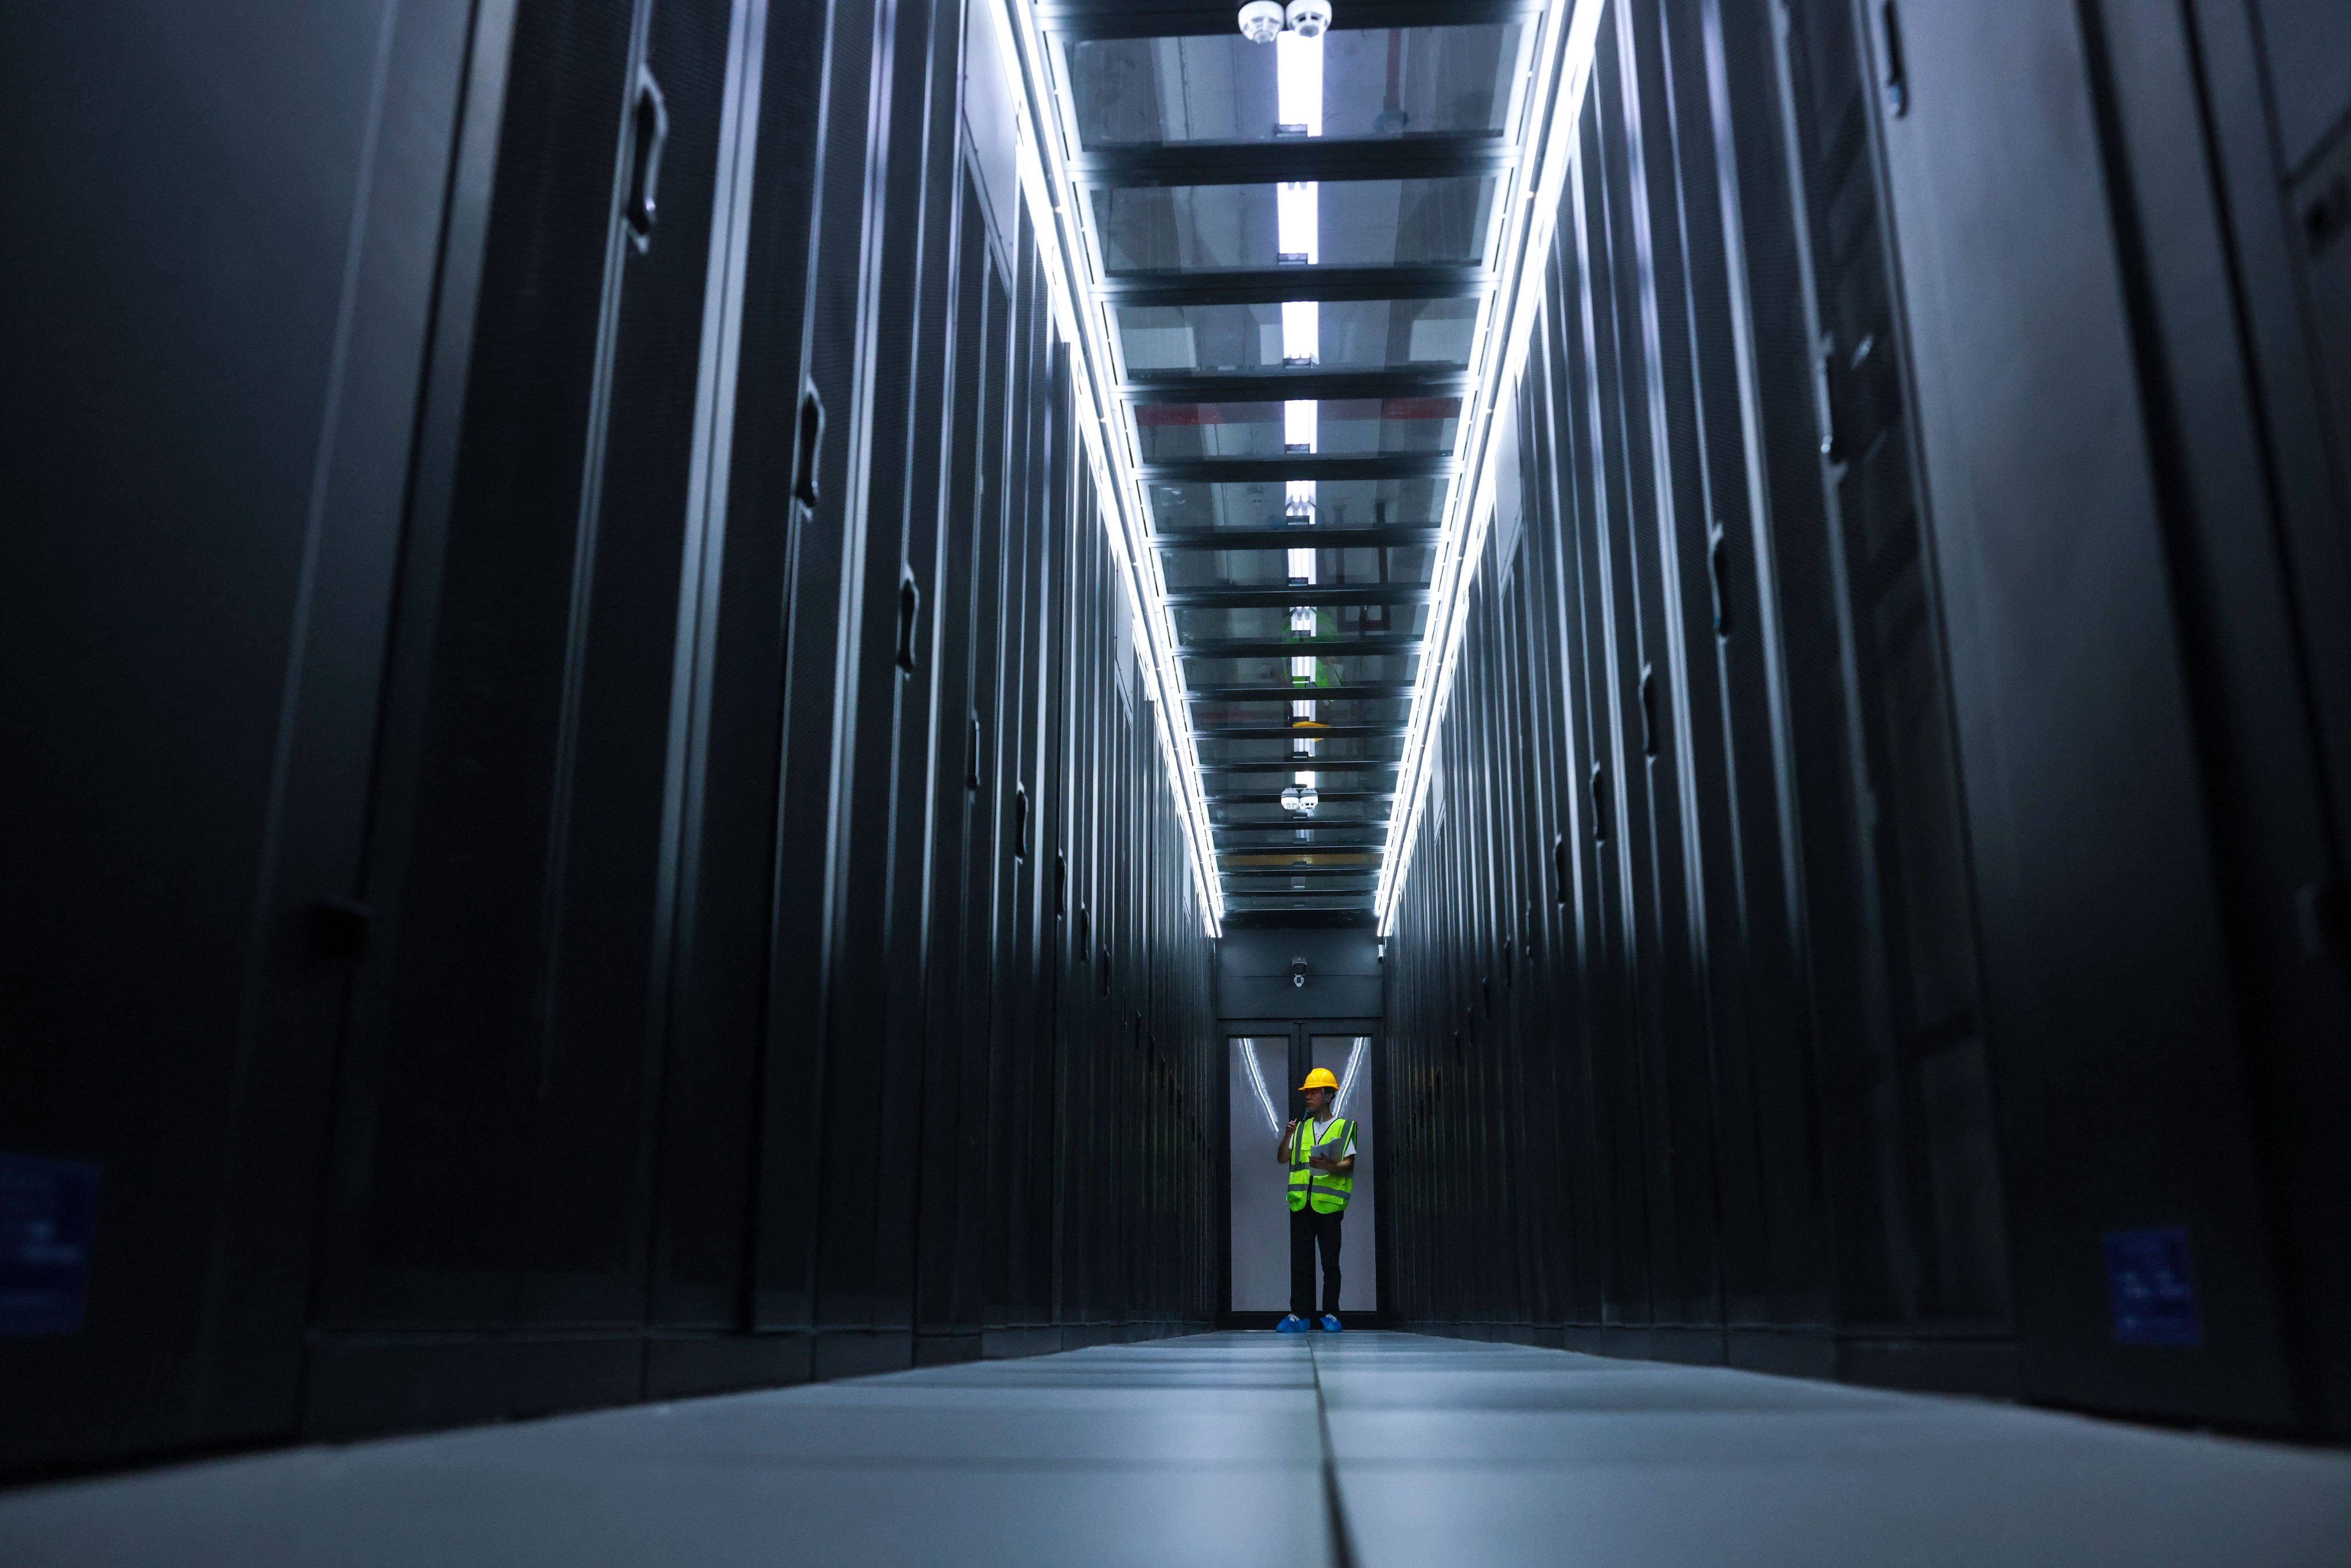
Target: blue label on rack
{"x":2150,"y":1287}
{"x":49,"y":1209}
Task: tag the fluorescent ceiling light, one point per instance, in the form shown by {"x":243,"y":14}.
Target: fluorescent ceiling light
{"x":1119,"y":493}
{"x":1298,"y":423}
{"x":1298,"y":82}
{"x":1545,"y":90}
{"x":1566,"y":71}
{"x":1298,"y":221}
{"x":1301,"y":333}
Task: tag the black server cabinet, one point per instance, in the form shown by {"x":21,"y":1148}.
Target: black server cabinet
{"x":216,"y":349}
{"x":2128,"y":566}
{"x":496,"y":1141}
{"x":872,"y":988}
{"x":1910,"y":633}
{"x":939,"y":1284}
{"x":723,"y":1045}
{"x":589,"y":654}
{"x":1767,"y":1049}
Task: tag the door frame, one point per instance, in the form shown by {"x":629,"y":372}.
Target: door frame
{"x":1299,"y":1032}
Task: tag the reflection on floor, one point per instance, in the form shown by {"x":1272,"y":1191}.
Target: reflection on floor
{"x":1213,"y":1451}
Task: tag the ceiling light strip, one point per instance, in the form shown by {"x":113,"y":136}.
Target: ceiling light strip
{"x":1044,"y":173}
{"x":1570,"y":32}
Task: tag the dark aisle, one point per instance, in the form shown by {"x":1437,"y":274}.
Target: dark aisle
{"x":720,"y":698}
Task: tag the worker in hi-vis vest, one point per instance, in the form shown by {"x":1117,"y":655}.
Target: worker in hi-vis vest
{"x":1321,"y":1154}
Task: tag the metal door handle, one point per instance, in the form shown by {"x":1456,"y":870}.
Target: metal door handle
{"x":1824,"y":391}
{"x":1897,"y":74}
{"x":910,"y":610}
{"x":649,"y":130}
{"x":1648,"y":711}
{"x":1718,"y":563}
{"x":809,"y":445}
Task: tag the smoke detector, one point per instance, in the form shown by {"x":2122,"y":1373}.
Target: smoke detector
{"x":1260,"y":21}
{"x":1310,"y":19}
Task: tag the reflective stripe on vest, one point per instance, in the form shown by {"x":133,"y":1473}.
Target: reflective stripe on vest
{"x":1326,"y":1190}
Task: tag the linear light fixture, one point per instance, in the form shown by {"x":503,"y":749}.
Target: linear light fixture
{"x":1051,"y":197}
{"x":1572,"y":29}
{"x":1046,"y":137}
{"x":1257,"y":1082}
{"x":1354,"y":1065}
{"x":1298,"y":106}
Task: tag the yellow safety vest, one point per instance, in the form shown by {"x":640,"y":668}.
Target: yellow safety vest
{"x":1326,"y":1190}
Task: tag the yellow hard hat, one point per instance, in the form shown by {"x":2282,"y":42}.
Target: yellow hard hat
{"x":1321,"y":1078}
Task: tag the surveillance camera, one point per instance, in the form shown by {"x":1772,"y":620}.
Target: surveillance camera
{"x":1298,"y":973}
{"x":1260,"y":21}
{"x":1310,"y":19}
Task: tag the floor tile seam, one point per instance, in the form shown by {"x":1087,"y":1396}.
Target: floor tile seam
{"x":1035,"y":1392}
{"x":1343,"y":1552}
{"x":1141,"y":1465}
{"x":1708,"y":1463}
{"x":1959,"y":1416}
{"x":1215,"y":1377}
{"x":1252,"y":1387}
{"x":1610,"y":1412}
{"x":1718,"y":1460}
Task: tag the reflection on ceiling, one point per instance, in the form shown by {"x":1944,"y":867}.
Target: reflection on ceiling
{"x":1292,"y":250}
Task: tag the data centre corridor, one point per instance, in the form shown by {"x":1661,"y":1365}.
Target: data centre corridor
{"x":722,"y":716}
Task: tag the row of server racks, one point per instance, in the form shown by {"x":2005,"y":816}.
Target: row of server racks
{"x":1876,"y":910}
{"x":581,"y":825}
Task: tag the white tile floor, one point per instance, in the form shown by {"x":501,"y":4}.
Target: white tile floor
{"x":1209,"y":1451}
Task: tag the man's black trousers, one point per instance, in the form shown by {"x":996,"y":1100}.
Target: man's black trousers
{"x":1306,"y":1230}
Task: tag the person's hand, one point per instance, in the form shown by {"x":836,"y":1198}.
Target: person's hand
{"x":1291,"y":1130}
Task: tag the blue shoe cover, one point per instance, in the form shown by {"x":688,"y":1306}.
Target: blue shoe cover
{"x":1329,"y":1323}
{"x":1294,"y":1323}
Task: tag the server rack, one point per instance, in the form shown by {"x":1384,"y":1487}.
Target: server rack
{"x":1861,"y":595}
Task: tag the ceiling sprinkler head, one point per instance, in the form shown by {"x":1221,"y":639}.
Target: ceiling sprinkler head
{"x":1310,"y":19}
{"x":1260,"y":21}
